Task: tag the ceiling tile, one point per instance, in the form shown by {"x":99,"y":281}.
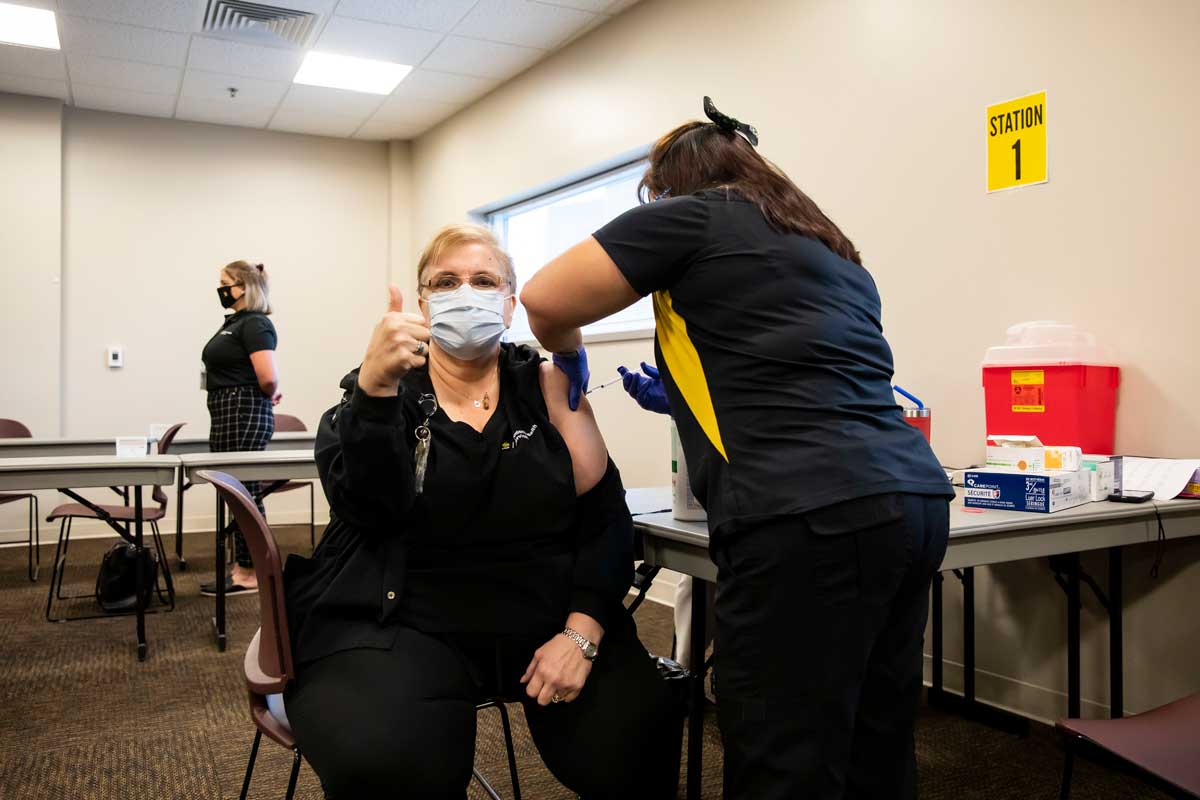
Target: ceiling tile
{"x":381,"y":130}
{"x":443,"y":87}
{"x":430,"y":15}
{"x":38,"y":87}
{"x":215,"y":86}
{"x":481,"y":59}
{"x":106,"y":98}
{"x":414,"y":111}
{"x":594,"y":6}
{"x":522,"y":22}
{"x":362,"y":39}
{"x":302,"y":99}
{"x":132,"y":75}
{"x":223,"y":112}
{"x":171,"y":15}
{"x":93,"y":37}
{"x":32,"y":62}
{"x":620,"y":5}
{"x":315,"y":124}
{"x":267,"y":63}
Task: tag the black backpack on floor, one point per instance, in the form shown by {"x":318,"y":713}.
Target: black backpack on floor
{"x":116,"y":584}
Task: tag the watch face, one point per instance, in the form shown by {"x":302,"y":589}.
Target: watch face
{"x":589,"y":652}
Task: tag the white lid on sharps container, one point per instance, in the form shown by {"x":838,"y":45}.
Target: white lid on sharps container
{"x":1046,"y":342}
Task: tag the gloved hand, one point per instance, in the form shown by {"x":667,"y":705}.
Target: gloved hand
{"x":646,"y":389}
{"x":575,"y":367}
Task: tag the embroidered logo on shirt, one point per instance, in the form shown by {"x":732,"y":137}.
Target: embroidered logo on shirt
{"x":227,"y":333}
{"x":518,"y":436}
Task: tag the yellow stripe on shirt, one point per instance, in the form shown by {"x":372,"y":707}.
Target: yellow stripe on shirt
{"x":684,"y":364}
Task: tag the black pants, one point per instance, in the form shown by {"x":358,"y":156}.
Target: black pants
{"x":820,"y":620}
{"x":242,"y":418}
{"x":400,"y":723}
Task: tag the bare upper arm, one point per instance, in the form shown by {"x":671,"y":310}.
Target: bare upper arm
{"x":263,"y":362}
{"x":589,"y":455}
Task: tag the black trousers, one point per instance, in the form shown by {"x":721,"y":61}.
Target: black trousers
{"x":400,"y":723}
{"x":242,"y":418}
{"x":820,"y":620}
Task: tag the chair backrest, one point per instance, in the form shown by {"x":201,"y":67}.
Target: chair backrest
{"x":286,"y":423}
{"x":275,"y":668}
{"x":164,"y":441}
{"x":11,"y":429}
{"x":164,"y":444}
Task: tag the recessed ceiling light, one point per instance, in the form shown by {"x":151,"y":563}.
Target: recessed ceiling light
{"x":355,"y":74}
{"x":31,"y":27}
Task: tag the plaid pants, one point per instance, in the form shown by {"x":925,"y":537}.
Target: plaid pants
{"x":242,"y":419}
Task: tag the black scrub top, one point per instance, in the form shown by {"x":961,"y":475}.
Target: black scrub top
{"x":227,"y":354}
{"x":496,"y":543}
{"x":774,"y":362}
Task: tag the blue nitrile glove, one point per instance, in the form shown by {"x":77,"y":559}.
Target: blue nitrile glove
{"x":574,"y":366}
{"x":646,"y":389}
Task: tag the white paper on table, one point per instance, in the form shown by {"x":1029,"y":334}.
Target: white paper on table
{"x":1166,"y":477}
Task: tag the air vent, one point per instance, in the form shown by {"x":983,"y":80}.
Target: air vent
{"x":259,"y":23}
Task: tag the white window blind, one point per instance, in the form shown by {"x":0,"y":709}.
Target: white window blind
{"x":535,"y":231}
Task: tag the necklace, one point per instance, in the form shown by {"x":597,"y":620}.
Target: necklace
{"x":484,"y":402}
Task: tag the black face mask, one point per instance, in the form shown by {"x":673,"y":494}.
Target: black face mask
{"x":226,"y":295}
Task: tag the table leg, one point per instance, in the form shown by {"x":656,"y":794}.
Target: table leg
{"x":1073,"y":636}
{"x":968,"y":582}
{"x":179,"y":490}
{"x":139,"y":575}
{"x":1116,"y":666}
{"x":695,"y":754}
{"x":219,"y":619}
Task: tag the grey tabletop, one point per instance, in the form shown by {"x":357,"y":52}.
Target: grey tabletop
{"x":964,"y":522}
{"x":79,"y":472}
{"x":106,"y":446}
{"x":259,"y":465}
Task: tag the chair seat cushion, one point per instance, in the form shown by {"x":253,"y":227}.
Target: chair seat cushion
{"x":275,"y":706}
{"x":1164,"y":741}
{"x":119,"y":513}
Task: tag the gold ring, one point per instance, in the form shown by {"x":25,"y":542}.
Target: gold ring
{"x":556,"y":699}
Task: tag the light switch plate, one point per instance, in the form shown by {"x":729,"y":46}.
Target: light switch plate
{"x":116,"y":357}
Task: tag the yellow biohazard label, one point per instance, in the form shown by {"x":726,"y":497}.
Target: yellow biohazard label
{"x":1016,"y":142}
{"x":1028,"y":391}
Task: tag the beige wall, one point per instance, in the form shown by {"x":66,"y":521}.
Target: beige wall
{"x":30,"y":248}
{"x":876,"y":108}
{"x":151,"y":209}
{"x":31,"y":273}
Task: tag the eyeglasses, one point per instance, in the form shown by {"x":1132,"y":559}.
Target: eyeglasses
{"x":664,"y":193}
{"x":448,"y":282}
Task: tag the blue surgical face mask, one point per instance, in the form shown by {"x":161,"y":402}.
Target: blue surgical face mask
{"x":466,"y":322}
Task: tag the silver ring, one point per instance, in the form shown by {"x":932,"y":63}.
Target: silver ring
{"x":556,"y":699}
{"x":420,"y":348}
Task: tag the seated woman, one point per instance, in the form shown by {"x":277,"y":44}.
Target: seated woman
{"x":479,"y":546}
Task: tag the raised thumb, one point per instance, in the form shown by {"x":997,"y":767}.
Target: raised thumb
{"x":395,"y":298}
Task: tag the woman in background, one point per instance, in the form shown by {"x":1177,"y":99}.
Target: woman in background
{"x":243,"y":387}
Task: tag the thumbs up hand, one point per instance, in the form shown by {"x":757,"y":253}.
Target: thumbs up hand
{"x":399,"y":343}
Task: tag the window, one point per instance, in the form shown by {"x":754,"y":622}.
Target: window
{"x":536,"y":230}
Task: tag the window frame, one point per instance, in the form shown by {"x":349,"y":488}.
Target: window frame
{"x":495,"y":217}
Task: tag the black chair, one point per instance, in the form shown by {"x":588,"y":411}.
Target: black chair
{"x":1161,"y":747}
{"x":268,"y":665}
{"x":12,"y":429}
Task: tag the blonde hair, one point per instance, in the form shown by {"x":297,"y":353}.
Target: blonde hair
{"x":452,"y":236}
{"x":254,"y":282}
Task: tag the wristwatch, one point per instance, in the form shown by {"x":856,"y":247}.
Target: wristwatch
{"x":590,"y":651}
